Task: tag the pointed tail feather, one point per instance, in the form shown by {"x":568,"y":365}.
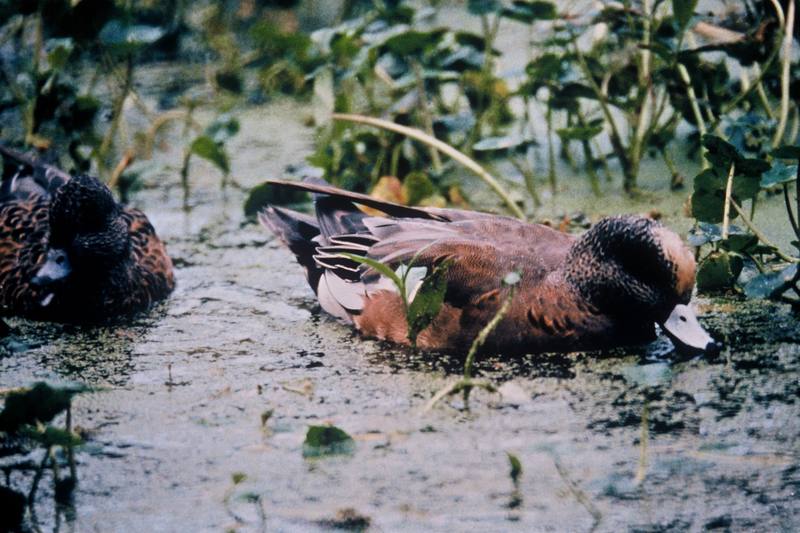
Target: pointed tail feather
{"x":297,"y":231}
{"x":390,"y":208}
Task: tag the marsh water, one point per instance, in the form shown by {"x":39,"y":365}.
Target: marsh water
{"x":223,"y":380}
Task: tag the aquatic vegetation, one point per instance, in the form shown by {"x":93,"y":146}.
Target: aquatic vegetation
{"x":719,"y":193}
{"x":71,"y":73}
{"x":28,"y":433}
{"x":327,"y":440}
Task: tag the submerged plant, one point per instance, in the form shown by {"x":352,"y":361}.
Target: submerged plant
{"x":26,"y":428}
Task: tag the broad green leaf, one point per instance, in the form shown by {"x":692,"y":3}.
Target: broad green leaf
{"x":778,"y":175}
{"x":787,"y":151}
{"x":708,"y":206}
{"x":683,"y":11}
{"x":382,"y":268}
{"x":751,"y":167}
{"x":39,"y":404}
{"x":709,"y":180}
{"x":746,"y":186}
{"x":546,"y":67}
{"x":48,"y":436}
{"x":427,"y":303}
{"x":529,"y":12}
{"x":483,"y":7}
{"x":58,"y":53}
{"x":740,"y":242}
{"x":417,"y":186}
{"x":771,"y":285}
{"x":120,"y":37}
{"x":205,"y":147}
{"x":327,"y":440}
{"x":412,"y":42}
{"x":704,"y":233}
{"x":223,"y":128}
{"x":720,"y":153}
{"x":505,"y":142}
{"x":717,"y":271}
{"x":265,"y":194}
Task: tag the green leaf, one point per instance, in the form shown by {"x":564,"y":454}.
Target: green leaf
{"x":381,"y":268}
{"x":51,"y":436}
{"x":428,"y":301}
{"x":223,"y":128}
{"x":505,"y":142}
{"x":717,"y":271}
{"x":413,"y":42}
{"x":39,"y":404}
{"x":529,"y":12}
{"x":720,"y":153}
{"x":516,"y":467}
{"x":418,"y":186}
{"x":778,"y":175}
{"x":740,"y":242}
{"x":327,"y":440}
{"x":746,"y":186}
{"x":546,"y":67}
{"x":704,"y":233}
{"x":483,"y":7}
{"x":771,"y":285}
{"x":122,"y":38}
{"x":205,"y":147}
{"x":709,"y":180}
{"x":265,"y":194}
{"x":751,"y":167}
{"x":579,"y":133}
{"x":683,"y":10}
{"x":708,"y":206}
{"x":58,"y":53}
{"x":787,"y":151}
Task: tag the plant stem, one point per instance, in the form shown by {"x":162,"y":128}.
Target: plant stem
{"x":117,"y":111}
{"x":427,"y":118}
{"x":763,"y":238}
{"x":616,"y":138}
{"x":551,"y":151}
{"x":485,"y":332}
{"x":726,"y":210}
{"x":445,"y":148}
{"x":788,"y":39}
{"x":789,"y":210}
{"x":644,"y":437}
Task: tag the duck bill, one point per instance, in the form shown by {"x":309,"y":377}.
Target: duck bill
{"x":56,"y":267}
{"x":687,"y":334}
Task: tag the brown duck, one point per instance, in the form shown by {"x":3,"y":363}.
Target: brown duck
{"x":69,"y":252}
{"x":608,"y":287}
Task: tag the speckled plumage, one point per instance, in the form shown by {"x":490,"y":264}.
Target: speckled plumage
{"x":606,"y":288}
{"x":119,"y":266}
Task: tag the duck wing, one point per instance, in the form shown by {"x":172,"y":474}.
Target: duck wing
{"x":24,"y":177}
{"x":480,"y":248}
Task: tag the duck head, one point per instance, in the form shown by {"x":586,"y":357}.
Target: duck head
{"x":88,"y":237}
{"x":635,"y":269}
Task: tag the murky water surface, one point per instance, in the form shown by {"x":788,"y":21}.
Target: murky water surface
{"x":183,"y":392}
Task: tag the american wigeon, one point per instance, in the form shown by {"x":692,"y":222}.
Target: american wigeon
{"x":608,"y":287}
{"x":69,"y":252}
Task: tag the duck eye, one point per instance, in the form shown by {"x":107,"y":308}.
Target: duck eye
{"x":682,"y":318}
